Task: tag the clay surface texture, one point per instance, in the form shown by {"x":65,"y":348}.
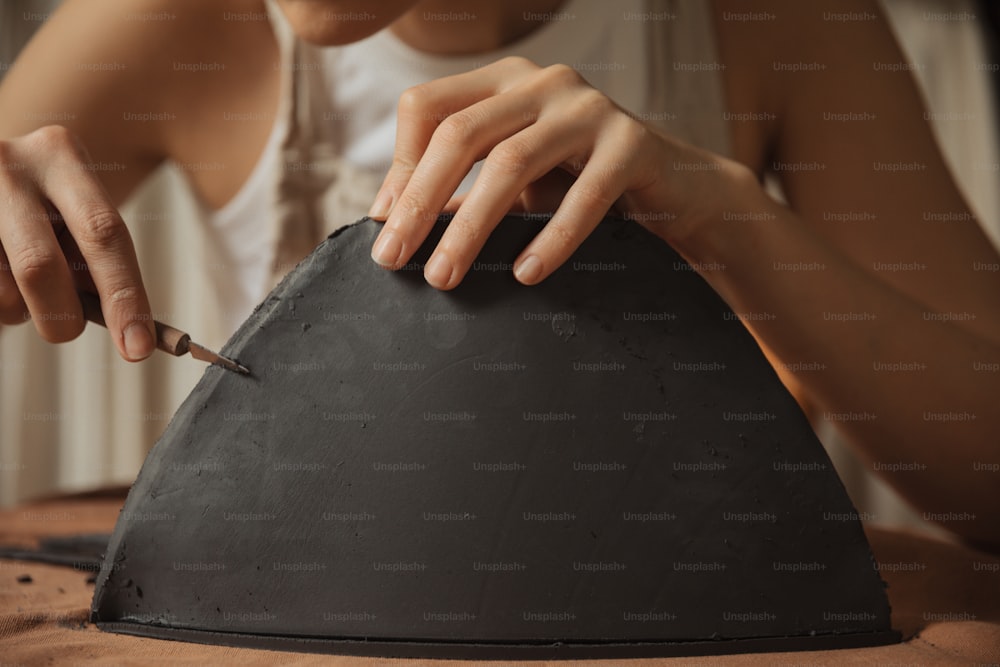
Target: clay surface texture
{"x":603,"y":464}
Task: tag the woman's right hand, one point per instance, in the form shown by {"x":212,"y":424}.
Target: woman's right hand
{"x":60,"y":233}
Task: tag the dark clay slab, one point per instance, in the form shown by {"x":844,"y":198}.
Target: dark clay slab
{"x":81,"y":552}
{"x":604,"y":464}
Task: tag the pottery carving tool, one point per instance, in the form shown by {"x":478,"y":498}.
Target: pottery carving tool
{"x":170,"y":340}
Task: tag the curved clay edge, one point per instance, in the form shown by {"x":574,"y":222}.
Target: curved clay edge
{"x":404,"y":648}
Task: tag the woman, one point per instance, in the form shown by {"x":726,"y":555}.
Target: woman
{"x":896,"y":319}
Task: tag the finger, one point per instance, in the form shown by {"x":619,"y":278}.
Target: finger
{"x":540,"y":196}
{"x":82,"y":280}
{"x":508,"y":169}
{"x":454,"y":203}
{"x":422,"y":108}
{"x":458,"y":142}
{"x":12,"y":307}
{"x":600,"y":184}
{"x":41,"y":277}
{"x":106,"y":246}
{"x":37,"y":265}
{"x":545,"y":194}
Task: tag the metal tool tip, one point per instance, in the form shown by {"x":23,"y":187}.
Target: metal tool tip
{"x":203,"y":353}
{"x":231,"y":365}
{"x":238,"y":367}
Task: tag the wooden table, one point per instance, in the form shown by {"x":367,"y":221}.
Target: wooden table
{"x":945,"y":600}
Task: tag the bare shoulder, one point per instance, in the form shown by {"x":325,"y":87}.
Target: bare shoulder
{"x":770,"y":48}
{"x":135,"y":78}
{"x":846,"y":134}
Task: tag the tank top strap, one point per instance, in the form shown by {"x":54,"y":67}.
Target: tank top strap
{"x":685,"y":84}
{"x":317,"y":191}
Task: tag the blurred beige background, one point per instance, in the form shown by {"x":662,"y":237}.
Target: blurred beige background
{"x":76,"y":417}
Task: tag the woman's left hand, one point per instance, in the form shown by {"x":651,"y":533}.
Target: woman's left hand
{"x":526,"y":122}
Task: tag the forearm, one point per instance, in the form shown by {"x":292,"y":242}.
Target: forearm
{"x":913,"y":390}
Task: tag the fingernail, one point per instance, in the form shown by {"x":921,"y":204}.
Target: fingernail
{"x":382,"y":207}
{"x":438,"y":271}
{"x":529,"y":270}
{"x":138,"y":341}
{"x":387,"y":249}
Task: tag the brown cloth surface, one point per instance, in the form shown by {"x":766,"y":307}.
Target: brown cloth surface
{"x":945,"y":600}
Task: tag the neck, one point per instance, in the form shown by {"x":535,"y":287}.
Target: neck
{"x":449,"y":27}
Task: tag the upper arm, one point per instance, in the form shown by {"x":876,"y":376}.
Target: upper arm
{"x":104,"y":70}
{"x":855,"y":155}
{"x":88,"y":68}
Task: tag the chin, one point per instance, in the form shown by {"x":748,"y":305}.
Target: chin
{"x":336,"y":22}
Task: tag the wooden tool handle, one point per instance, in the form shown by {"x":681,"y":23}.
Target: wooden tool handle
{"x":92,"y":308}
{"x":170,"y":340}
